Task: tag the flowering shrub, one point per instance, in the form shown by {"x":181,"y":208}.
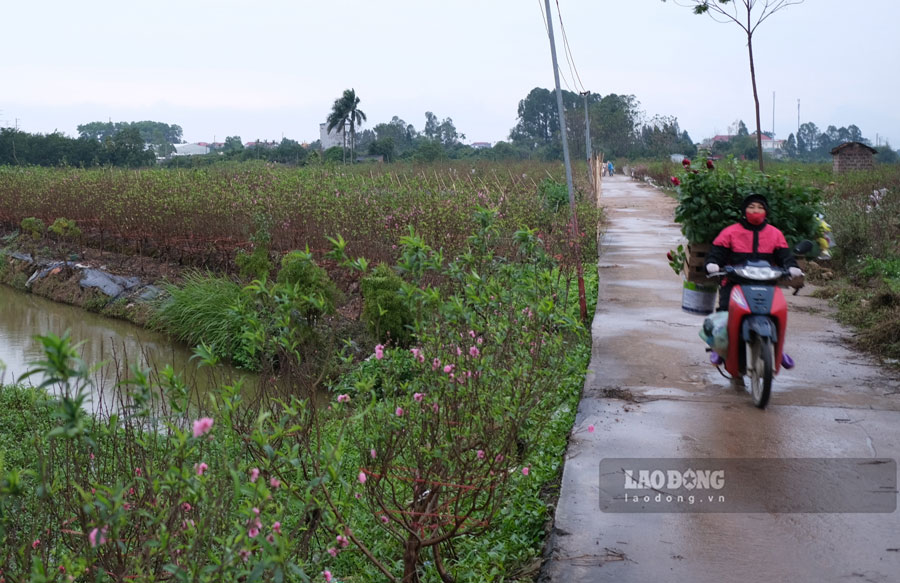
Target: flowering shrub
{"x":437,"y":455}
{"x":132,"y":498}
{"x":446,"y":442}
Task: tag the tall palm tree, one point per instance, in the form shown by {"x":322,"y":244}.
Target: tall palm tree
{"x":344,"y":112}
{"x":338,"y":118}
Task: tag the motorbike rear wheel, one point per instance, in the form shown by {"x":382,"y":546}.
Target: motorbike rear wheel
{"x":759,"y":365}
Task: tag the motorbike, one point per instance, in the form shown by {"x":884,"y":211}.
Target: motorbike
{"x":756,"y":324}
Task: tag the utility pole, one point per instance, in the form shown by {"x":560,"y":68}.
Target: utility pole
{"x":798,"y":118}
{"x":565,"y":144}
{"x":587,"y":137}
{"x":773,"y":116}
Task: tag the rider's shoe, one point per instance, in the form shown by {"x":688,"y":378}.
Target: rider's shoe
{"x":786,"y":361}
{"x":737,"y":383}
{"x":715,"y":359}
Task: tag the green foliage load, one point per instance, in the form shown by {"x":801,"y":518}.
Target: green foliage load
{"x":709,"y":200}
{"x":308,"y":279}
{"x":384,"y":310}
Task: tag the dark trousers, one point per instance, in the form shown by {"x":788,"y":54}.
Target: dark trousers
{"x":724,"y":296}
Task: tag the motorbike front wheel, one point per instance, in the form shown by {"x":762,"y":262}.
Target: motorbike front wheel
{"x":759,"y":365}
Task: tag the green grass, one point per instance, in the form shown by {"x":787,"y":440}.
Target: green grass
{"x":203,"y":309}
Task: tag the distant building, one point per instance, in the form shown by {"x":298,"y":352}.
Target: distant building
{"x":853,"y":156}
{"x":708,"y":142}
{"x":198,"y":149}
{"x":334,"y":138}
{"x":264,"y":144}
{"x":770,"y":145}
{"x":481,"y":145}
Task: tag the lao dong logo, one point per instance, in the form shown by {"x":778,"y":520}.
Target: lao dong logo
{"x":674,"y":479}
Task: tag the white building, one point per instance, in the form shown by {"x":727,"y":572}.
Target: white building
{"x":190,"y":149}
{"x":330,"y":139}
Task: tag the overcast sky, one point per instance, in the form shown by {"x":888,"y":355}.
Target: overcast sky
{"x":273,"y":68}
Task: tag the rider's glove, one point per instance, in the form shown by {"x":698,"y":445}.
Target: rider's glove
{"x":712,"y":268}
{"x":795,"y":272}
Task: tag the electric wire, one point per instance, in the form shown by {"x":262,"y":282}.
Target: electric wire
{"x":568,"y":51}
{"x":547,"y":29}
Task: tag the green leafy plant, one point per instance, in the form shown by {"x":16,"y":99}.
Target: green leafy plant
{"x":709,"y":200}
{"x":299,"y":270}
{"x":33,"y":227}
{"x":677,"y":259}
{"x":553,"y":194}
{"x":256,"y":264}
{"x":385,"y":311}
{"x":137,"y":497}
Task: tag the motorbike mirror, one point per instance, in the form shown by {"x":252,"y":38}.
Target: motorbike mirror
{"x":803,"y":247}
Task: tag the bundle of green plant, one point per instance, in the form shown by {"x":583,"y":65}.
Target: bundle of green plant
{"x":709,"y":198}
{"x":206,"y":498}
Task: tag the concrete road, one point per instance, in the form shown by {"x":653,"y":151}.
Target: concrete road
{"x":651,"y":393}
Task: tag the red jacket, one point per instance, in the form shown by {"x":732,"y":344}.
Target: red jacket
{"x":742,"y":241}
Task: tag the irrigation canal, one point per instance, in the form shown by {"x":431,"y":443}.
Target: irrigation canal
{"x":117,"y":343}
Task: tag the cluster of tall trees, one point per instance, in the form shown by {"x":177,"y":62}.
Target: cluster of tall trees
{"x":160,"y":136}
{"x":125,"y":147}
{"x":618,"y":127}
{"x":811,"y":144}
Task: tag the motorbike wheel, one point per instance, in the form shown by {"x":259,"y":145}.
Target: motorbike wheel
{"x":761,"y":370}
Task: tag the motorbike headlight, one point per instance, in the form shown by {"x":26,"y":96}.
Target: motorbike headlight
{"x":758,"y":273}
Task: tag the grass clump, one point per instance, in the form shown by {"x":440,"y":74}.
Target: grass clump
{"x":203,"y":310}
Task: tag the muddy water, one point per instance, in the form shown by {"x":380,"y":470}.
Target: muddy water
{"x":118,"y":343}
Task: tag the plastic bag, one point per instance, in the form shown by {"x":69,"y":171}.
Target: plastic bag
{"x":715,"y":332}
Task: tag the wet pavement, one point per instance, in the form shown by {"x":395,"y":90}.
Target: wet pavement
{"x":651,"y":393}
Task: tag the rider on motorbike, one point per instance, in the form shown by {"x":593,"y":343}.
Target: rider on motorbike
{"x":752,"y":238}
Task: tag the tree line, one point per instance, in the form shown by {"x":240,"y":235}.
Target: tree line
{"x":617,"y":125}
{"x":808,"y":145}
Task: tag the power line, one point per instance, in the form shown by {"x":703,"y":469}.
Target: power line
{"x":547,"y":29}
{"x":568,"y":51}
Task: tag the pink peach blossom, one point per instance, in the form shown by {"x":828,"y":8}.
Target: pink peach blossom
{"x":202,"y":426}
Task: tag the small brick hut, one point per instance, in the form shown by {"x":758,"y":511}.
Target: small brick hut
{"x":853,"y":156}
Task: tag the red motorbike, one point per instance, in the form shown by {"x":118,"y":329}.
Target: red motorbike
{"x":756,"y":325}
